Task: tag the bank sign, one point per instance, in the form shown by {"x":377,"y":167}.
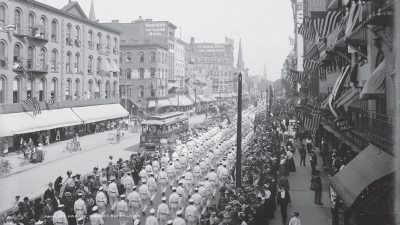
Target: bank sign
{"x":155,"y":29}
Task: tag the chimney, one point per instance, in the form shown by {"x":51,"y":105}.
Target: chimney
{"x":192,"y":40}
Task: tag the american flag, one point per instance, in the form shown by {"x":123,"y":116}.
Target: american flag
{"x":34,"y":104}
{"x":51,"y":101}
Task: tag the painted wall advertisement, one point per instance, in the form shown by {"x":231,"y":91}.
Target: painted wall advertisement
{"x":155,"y":29}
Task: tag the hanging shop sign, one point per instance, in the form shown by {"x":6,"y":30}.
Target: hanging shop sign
{"x":342,"y":125}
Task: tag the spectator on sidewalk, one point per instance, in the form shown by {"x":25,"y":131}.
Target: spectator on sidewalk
{"x":283,"y":201}
{"x":324,"y":153}
{"x":295,"y":220}
{"x":284,"y":183}
{"x":302,"y":155}
{"x":317,"y":187}
{"x":313,"y":161}
{"x":309,"y":145}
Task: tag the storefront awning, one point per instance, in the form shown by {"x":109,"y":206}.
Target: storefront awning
{"x":25,"y":122}
{"x":91,"y":114}
{"x":349,"y":99}
{"x":184,"y":101}
{"x":375,"y":84}
{"x":163,"y":103}
{"x":152,"y":103}
{"x":115,"y":67}
{"x":342,"y":96}
{"x":174,"y":101}
{"x":108,"y":67}
{"x":368,"y":166}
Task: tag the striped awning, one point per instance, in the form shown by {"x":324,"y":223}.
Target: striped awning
{"x":338,"y":86}
{"x":368,"y":166}
{"x":375,"y":84}
{"x":349,"y":99}
{"x":324,"y":22}
{"x":342,"y":96}
{"x":332,"y":4}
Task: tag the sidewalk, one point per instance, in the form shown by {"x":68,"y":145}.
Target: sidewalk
{"x":55,"y":152}
{"x":303,"y":198}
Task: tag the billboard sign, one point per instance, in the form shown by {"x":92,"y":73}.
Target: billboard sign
{"x":155,"y":29}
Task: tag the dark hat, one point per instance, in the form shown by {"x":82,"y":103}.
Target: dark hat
{"x":296,"y":213}
{"x":26,"y":199}
{"x":69,"y":172}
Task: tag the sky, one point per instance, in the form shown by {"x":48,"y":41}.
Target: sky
{"x":263,"y":25}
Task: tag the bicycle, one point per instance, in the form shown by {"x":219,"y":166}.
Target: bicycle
{"x":6,"y":168}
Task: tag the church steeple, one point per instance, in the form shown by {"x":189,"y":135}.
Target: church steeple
{"x":240,"y":63}
{"x":265,"y":71}
{"x":92,"y":17}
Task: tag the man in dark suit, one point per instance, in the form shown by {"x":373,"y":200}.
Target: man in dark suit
{"x":283,"y":201}
{"x":284,"y":183}
{"x":303,"y":152}
{"x":68,"y":202}
{"x":317,"y":187}
{"x":260,"y":216}
{"x":50,"y":193}
{"x":48,"y":212}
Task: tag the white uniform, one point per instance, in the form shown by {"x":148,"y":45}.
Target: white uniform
{"x":163,"y":181}
{"x":133,"y":199}
{"x":197,"y":175}
{"x":113,"y":194}
{"x":143,"y":174}
{"x":197,"y":201}
{"x":191,"y":215}
{"x":181,"y":193}
{"x":59,"y":218}
{"x":156,"y":169}
{"x":174,"y":204}
{"x":80,"y":209}
{"x":122,"y":211}
{"x":151,"y":220}
{"x":144,"y":196}
{"x":163,"y":213}
{"x":189,"y":181}
{"x":96,"y":219}
{"x":213,"y":179}
{"x":207,"y":186}
{"x":101,"y":201}
{"x":152,"y":185}
{"x":171,"y":174}
{"x":177,"y":167}
{"x":128,"y":184}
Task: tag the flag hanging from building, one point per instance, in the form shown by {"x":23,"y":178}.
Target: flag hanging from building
{"x":325,"y":22}
{"x":229,"y":41}
{"x":310,"y":64}
{"x":51,"y":101}
{"x":34,"y":104}
{"x":307,"y":29}
{"x":291,"y":41}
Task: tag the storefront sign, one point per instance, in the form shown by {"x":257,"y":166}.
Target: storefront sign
{"x":155,"y":29}
{"x":343,"y":125}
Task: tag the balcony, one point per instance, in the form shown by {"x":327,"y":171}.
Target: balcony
{"x":36,"y":33}
{"x":377,"y":127}
{"x":30,"y":67}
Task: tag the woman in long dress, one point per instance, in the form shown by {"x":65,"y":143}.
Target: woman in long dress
{"x":283,"y":169}
{"x":291,"y":165}
{"x":39,"y":152}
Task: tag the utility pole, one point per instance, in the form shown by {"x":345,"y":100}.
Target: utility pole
{"x":239,"y":135}
{"x":126,"y":91}
{"x":266,"y":102}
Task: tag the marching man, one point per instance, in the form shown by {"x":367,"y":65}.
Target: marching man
{"x":163,"y":212}
{"x":151,"y":183}
{"x":171,"y":174}
{"x":162,"y":180}
{"x":122,"y":210}
{"x":133,"y":199}
{"x":174,"y":202}
{"x":191,"y":213}
{"x":144,"y":196}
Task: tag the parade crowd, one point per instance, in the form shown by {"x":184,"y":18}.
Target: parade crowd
{"x":197,"y":172}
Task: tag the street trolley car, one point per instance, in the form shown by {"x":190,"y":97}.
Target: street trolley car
{"x":160,"y":127}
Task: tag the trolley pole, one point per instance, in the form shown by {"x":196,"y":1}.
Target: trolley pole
{"x":239,"y":135}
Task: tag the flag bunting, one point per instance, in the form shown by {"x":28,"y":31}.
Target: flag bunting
{"x":34,"y":104}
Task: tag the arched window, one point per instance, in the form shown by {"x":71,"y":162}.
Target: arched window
{"x":115,"y":89}
{"x":43,"y":22}
{"x":153,"y":73}
{"x":17,"y":21}
{"x":54,"y":30}
{"x":76,"y":90}
{"x":68,"y":34}
{"x":98,"y":42}
{"x":54,"y":61}
{"x":152,"y":57}
{"x":31,"y":20}
{"x":107,"y":90}
{"x":31,"y":57}
{"x":115,"y":46}
{"x":77,"y":33}
{"x":90,"y":89}
{"x":68,"y":62}
{"x":3,"y":54}
{"x":29,"y":88}
{"x":17,"y":52}
{"x":68,"y":90}
{"x":98,"y":86}
{"x":16,"y":90}
{"x":3,"y":14}
{"x":77,"y":64}
{"x":98,"y":66}
{"x":120,"y":57}
{"x":90,"y":39}
{"x":2,"y":90}
{"x":108,"y":46}
{"x":42,"y":90}
{"x":53,"y":88}
{"x":42,"y":59}
{"x":90,"y":65}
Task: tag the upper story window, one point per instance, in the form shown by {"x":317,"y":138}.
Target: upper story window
{"x":3,"y":14}
{"x":54,"y":61}
{"x":17,"y":52}
{"x":98,"y":66}
{"x":99,"y":42}
{"x":3,"y":54}
{"x":90,"y":65}
{"x":115,"y":49}
{"x":31,"y":57}
{"x":108,"y":46}
{"x":120,"y":57}
{"x":159,"y":57}
{"x":54,"y":30}
{"x":77,"y":36}
{"x":141,"y":56}
{"x":17,"y":20}
{"x":68,"y":34}
{"x":153,"y":72}
{"x":152,"y":57}
{"x":31,"y":20}
{"x":128,"y":57}
{"x":141,"y":73}
{"x":68,"y":62}
{"x":90,"y":39}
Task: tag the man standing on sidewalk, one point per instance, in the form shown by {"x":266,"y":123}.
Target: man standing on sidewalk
{"x":313,"y":161}
{"x":317,"y":187}
{"x":283,"y":201}
{"x":302,"y":155}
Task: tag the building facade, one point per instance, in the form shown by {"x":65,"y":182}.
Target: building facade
{"x":149,"y":32}
{"x":144,"y":69}
{"x":179,"y":57}
{"x":56,"y":54}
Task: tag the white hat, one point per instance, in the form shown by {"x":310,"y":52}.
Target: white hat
{"x":164,"y":199}
{"x":174,"y":188}
{"x":144,"y":181}
{"x":136,"y":222}
{"x":134,"y":187}
{"x":170,"y":222}
{"x":122,"y":196}
{"x":94,"y":208}
{"x":101,"y":188}
{"x":191,"y":200}
{"x":152,"y":211}
{"x":39,"y":222}
{"x":179,"y":212}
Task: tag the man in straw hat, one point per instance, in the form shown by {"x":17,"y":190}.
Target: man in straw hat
{"x":48,"y":211}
